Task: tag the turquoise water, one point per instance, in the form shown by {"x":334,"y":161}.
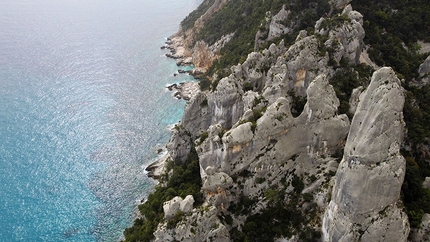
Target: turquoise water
{"x":83,"y":110}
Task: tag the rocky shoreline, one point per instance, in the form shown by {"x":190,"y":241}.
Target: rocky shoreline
{"x":302,"y":137}
{"x":175,"y":44}
{"x":184,"y":90}
{"x":156,"y":169}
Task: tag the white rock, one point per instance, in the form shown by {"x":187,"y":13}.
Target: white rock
{"x":186,"y":205}
{"x":370,"y":176}
{"x":423,"y":233}
{"x":171,"y":207}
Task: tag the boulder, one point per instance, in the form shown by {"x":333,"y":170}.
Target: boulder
{"x":424,"y":72}
{"x":199,"y":226}
{"x":346,"y":38}
{"x":186,"y":206}
{"x":353,"y":100}
{"x":295,"y":69}
{"x":171,"y":207}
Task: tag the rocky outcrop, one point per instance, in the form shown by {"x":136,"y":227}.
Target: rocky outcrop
{"x":425,"y":67}
{"x":179,"y":145}
{"x":275,"y":145}
{"x":176,"y":204}
{"x":254,"y":153}
{"x":184,"y":90}
{"x":171,"y":207}
{"x":424,"y":72}
{"x":339,"y":4}
{"x":202,"y":225}
{"x":186,"y":205}
{"x":365,"y":197}
{"x":187,"y":50}
{"x":345,"y":35}
{"x":426,"y":183}
{"x":423,"y":233}
{"x":274,"y":27}
{"x":277,"y":24}
{"x":157,"y":168}
{"x":295,"y":69}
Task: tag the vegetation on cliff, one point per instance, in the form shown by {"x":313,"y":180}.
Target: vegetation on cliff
{"x":184,"y":179}
{"x":245,"y":18}
{"x":392,"y":31}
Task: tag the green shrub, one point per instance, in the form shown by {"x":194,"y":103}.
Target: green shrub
{"x":184,"y":181}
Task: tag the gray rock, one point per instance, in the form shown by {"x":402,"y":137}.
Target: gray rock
{"x":423,"y":233}
{"x":339,"y":4}
{"x":322,"y":101}
{"x":186,"y":206}
{"x":171,"y":207}
{"x":156,"y":169}
{"x":424,"y":72}
{"x":210,"y":151}
{"x":345,"y":39}
{"x":425,"y":67}
{"x":318,"y":131}
{"x":215,"y":181}
{"x":215,"y":187}
{"x":215,"y":48}
{"x":203,"y":225}
{"x":370,"y":176}
{"x":426,"y":183}
{"x":353,"y":100}
{"x":277,"y":27}
{"x":225,"y":103}
{"x":378,"y":120}
{"x":353,"y":14}
{"x":185,"y":90}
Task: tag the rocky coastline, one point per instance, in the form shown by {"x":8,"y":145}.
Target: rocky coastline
{"x":276,"y":145}
{"x":175,"y":44}
{"x":184,"y":90}
{"x":178,"y":52}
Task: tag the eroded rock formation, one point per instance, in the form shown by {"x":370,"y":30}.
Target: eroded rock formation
{"x":365,"y":197}
{"x":250,"y":146}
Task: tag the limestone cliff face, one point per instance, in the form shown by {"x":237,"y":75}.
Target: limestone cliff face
{"x":274,"y":27}
{"x":251,"y":147}
{"x":365,"y":197}
{"x":424,"y":72}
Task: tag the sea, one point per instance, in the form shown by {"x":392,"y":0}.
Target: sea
{"x":83,"y":110}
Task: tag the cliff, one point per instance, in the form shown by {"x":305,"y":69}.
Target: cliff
{"x":303,"y":140}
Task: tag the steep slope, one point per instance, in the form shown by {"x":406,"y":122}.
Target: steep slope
{"x":366,"y":194}
{"x":267,"y":150}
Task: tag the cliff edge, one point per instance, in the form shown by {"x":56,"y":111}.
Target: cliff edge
{"x":303,"y":139}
